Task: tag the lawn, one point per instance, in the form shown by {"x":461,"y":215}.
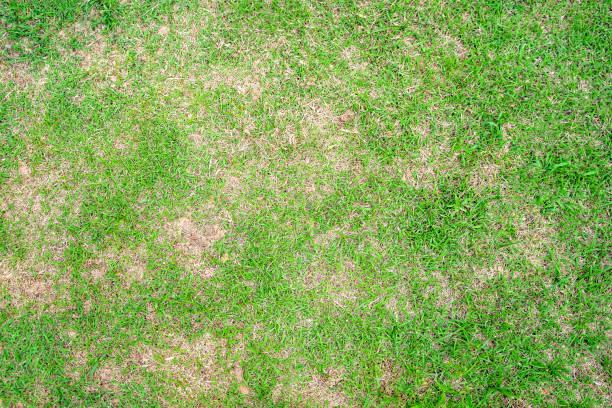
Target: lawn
{"x":384,"y":203}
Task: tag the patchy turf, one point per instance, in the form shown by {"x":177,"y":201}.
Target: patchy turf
{"x":313,"y":204}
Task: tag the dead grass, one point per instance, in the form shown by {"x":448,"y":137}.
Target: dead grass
{"x":193,"y":239}
{"x":443,"y":293}
{"x":425,"y":167}
{"x":400,"y":304}
{"x":336,"y":282}
{"x":485,"y":175}
{"x":535,"y":236}
{"x":32,"y":203}
{"x":491,"y":272}
{"x":136,"y":267}
{"x":389,"y":374}
{"x":104,"y":64}
{"x":326,"y":389}
{"x":194,"y":243}
{"x":189,"y":368}
{"x":311,"y":152}
{"x":130,"y":261}
{"x":457,"y":46}
{"x":24,"y":170}
{"x":315,"y":390}
{"x":590,"y":371}
{"x":27,"y":284}
{"x":24,"y":76}
{"x":354,"y":59}
{"x":238,"y":374}
{"x":177,"y":85}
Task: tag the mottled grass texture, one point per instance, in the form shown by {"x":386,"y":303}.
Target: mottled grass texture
{"x":305,"y":204}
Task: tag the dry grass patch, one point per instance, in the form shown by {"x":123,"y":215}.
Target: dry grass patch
{"x":442,"y":293}
{"x":321,"y":145}
{"x":235,"y":185}
{"x":24,"y":75}
{"x":131,"y":261}
{"x":457,"y":46}
{"x":193,"y":239}
{"x":104,"y":65}
{"x":325,"y":239}
{"x":400,"y":303}
{"x":320,"y":116}
{"x":491,"y":272}
{"x":31,"y":201}
{"x":316,"y":390}
{"x":327,"y":140}
{"x":247,"y":81}
{"x":485,"y":175}
{"x":26,"y":285}
{"x":535,"y":236}
{"x":188,"y":368}
{"x":238,"y":374}
{"x":589,"y":370}
{"x":194,"y":366}
{"x":389,"y":375}
{"x":425,"y":167}
{"x":325,"y":390}
{"x":337,"y":282}
{"x":194,"y":242}
{"x":354,"y":59}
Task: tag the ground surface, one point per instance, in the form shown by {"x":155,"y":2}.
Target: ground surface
{"x":284,"y":203}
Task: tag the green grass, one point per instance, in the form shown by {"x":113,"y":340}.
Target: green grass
{"x":378,"y":204}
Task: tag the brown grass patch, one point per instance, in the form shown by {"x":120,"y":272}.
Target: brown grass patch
{"x":132,"y":262}
{"x":105,"y":64}
{"x":535,"y":235}
{"x":389,"y":375}
{"x":325,"y":389}
{"x":31,"y":201}
{"x":97,"y":269}
{"x":336,"y":281}
{"x":354,"y":59}
{"x":400,"y":303}
{"x":491,"y":272}
{"x":24,"y":170}
{"x":193,"y":239}
{"x":194,"y":242}
{"x":324,"y":239}
{"x":321,"y":389}
{"x":26,"y":284}
{"x":238,"y":374}
{"x":485,"y":175}
{"x":327,"y":140}
{"x":24,"y":199}
{"x":317,"y":114}
{"x":136,"y":268}
{"x":457,"y":46}
{"x":25,"y":76}
{"x":234,"y":185}
{"x":163,"y":30}
{"x":247,"y":83}
{"x":590,"y":372}
{"x":188,"y":368}
{"x":311,"y":153}
{"x":425,"y":167}
{"x":439,"y":287}
{"x":93,"y":55}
